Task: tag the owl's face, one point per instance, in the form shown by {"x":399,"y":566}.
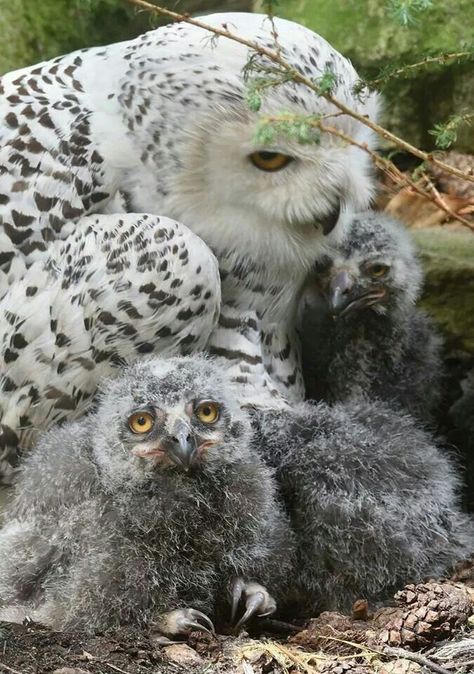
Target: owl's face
{"x":375,"y":269}
{"x":281,"y":201}
{"x":168,"y":415}
{"x":178,"y":436}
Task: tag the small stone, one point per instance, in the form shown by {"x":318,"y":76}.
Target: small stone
{"x":360,"y":610}
{"x":400,"y":666}
{"x":182,"y":654}
{"x":70,"y":670}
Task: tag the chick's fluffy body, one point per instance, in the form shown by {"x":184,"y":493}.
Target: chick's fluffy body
{"x":97,"y":537}
{"x":372,"y":500}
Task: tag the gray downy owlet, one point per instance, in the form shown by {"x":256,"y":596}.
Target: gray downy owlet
{"x":373,"y":502}
{"x":150,"y":510}
{"x":361,"y":331}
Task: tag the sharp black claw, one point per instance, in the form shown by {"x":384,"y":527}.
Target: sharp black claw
{"x":238,"y":587}
{"x":198,"y":615}
{"x":252,"y":606}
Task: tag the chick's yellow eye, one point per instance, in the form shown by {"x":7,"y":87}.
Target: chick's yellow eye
{"x":378,"y":270}
{"x":207,"y":412}
{"x":141,"y":422}
{"x":270,"y":161}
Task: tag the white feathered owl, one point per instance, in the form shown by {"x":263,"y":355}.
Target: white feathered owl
{"x":160,"y":125}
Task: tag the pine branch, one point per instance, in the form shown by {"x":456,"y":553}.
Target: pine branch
{"x":446,"y":133}
{"x":409,"y":68}
{"x":405,"y":11}
{"x":298,"y":77}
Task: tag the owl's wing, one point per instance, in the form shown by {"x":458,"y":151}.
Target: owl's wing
{"x":119,"y":288}
{"x":26,"y":555}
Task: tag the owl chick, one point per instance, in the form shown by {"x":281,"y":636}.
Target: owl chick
{"x":372,"y":500}
{"x":147,"y":511}
{"x":361,"y":331}
{"x":461,"y":431}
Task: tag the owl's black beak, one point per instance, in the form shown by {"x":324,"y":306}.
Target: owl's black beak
{"x":182,"y":447}
{"x":339,"y":292}
{"x":329,"y":221}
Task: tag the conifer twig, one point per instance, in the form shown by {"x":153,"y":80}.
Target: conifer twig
{"x":296,"y":76}
{"x":429,"y":60}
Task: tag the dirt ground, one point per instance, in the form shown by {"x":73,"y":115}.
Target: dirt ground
{"x":331,"y":644}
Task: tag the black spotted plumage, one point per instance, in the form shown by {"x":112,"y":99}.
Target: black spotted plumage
{"x":160,"y":125}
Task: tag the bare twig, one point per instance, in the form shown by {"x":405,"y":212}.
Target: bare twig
{"x":386,"y":166}
{"x":117,"y":669}
{"x":442,"y":204}
{"x":9,"y":669}
{"x":296,"y":76}
{"x":394,"y":652}
{"x":416,"y":657}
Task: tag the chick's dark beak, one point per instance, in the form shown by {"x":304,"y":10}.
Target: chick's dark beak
{"x":339,"y":291}
{"x":182,"y":447}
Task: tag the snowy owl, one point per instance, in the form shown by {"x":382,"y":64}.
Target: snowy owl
{"x":361,"y":331}
{"x":155,"y":507}
{"x":373,"y":500}
{"x":160,"y":126}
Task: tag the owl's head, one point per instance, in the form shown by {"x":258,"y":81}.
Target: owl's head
{"x":168,"y":415}
{"x":375,"y":269}
{"x":281,"y":200}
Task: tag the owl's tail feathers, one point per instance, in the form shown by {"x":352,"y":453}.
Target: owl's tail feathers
{"x":119,"y":288}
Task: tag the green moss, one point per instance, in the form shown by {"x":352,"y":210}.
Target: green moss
{"x":448,"y":260}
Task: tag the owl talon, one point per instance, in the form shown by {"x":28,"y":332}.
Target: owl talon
{"x":258,"y":601}
{"x":181,"y":621}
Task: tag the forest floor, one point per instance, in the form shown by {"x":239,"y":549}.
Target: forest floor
{"x":432,"y":623}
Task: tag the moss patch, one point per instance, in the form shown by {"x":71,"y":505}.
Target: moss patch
{"x":448,"y":260}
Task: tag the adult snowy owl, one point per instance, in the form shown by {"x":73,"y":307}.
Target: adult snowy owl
{"x":160,"y":126}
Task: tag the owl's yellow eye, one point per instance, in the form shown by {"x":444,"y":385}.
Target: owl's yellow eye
{"x":270,"y":161}
{"x":378,"y":270}
{"x":207,"y":412}
{"x":141,"y":422}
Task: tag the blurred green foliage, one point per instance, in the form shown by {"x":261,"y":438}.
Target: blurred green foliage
{"x":36,"y":30}
{"x":369,"y":33}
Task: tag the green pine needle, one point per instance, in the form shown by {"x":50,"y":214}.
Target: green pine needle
{"x":406,"y":11}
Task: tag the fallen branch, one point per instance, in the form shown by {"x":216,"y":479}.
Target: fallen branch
{"x":416,"y":657}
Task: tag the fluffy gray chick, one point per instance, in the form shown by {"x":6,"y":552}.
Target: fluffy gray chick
{"x":461,"y":431}
{"x":372,"y":500}
{"x":360,"y":328}
{"x":149,"y":510}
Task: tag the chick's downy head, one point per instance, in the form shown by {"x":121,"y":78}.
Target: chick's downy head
{"x":374,"y":269}
{"x":173,"y":414}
